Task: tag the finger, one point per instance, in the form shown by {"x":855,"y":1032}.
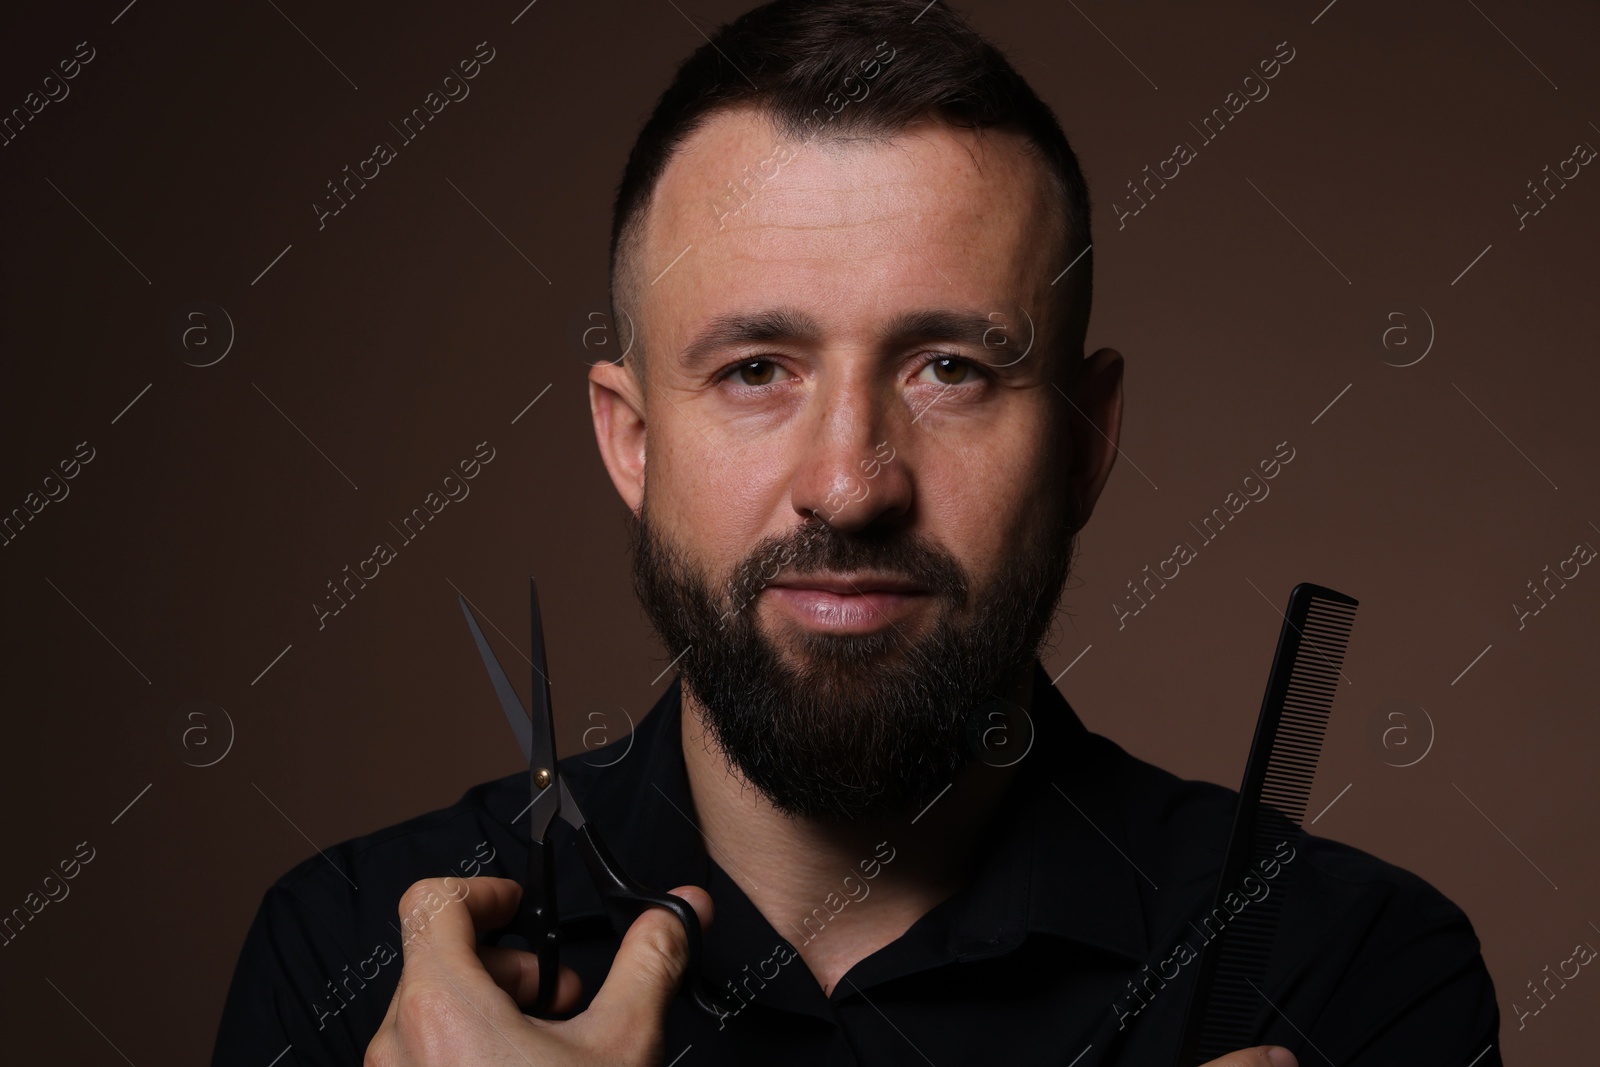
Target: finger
{"x":446,"y":1000}
{"x":646,"y":972}
{"x":700,"y":901}
{"x":517,"y":972}
{"x":1260,"y":1056}
{"x":440,"y":917}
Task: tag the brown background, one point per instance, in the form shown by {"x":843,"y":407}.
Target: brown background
{"x":408,"y":330}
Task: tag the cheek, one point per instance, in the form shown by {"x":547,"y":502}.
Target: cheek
{"x":714,"y":498}
{"x":984,"y":500}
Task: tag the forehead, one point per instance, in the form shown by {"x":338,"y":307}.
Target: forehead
{"x":852,"y":228}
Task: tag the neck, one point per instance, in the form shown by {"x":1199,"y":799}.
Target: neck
{"x":839,"y":892}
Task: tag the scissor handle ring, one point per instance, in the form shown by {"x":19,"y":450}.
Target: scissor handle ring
{"x":626,"y":899}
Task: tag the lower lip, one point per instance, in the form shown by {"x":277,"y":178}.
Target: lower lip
{"x":846,"y":613}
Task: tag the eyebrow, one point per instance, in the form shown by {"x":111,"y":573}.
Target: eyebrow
{"x":960,"y":326}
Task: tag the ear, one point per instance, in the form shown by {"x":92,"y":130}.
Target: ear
{"x":617,"y":406}
{"x":1096,"y":426}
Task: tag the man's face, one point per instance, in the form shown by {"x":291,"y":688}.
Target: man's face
{"x":859,"y":456}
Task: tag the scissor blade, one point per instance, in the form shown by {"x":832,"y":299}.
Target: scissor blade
{"x":569,"y":808}
{"x":543,"y":718}
{"x":515,"y":714}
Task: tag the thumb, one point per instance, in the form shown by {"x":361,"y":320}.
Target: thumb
{"x":647,"y":969}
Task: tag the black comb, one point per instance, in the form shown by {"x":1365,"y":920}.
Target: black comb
{"x":1226,"y":998}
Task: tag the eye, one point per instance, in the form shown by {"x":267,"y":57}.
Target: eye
{"x":949,"y":370}
{"x":756,"y":372}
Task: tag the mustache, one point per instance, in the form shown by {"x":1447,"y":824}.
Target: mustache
{"x":814,"y":546}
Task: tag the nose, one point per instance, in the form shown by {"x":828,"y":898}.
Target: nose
{"x":854,"y":468}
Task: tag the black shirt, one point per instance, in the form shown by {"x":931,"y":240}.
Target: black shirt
{"x":1071,"y":944}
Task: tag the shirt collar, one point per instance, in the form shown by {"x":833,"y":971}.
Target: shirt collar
{"x":1063,"y":861}
{"x":638,"y":801}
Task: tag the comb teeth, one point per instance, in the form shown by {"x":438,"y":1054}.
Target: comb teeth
{"x":1306,"y":672}
{"x":1305,"y":703}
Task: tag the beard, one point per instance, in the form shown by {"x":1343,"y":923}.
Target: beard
{"x":852,"y":726}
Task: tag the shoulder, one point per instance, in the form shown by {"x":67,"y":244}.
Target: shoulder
{"x":1371,"y":949}
{"x":321,"y":957}
{"x":458,"y":840}
{"x":1181,"y":826}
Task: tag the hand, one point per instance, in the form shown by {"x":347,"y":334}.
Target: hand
{"x":458,"y":1002}
{"x":1260,"y":1056}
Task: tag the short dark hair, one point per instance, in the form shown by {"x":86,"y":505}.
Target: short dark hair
{"x":785,"y":58}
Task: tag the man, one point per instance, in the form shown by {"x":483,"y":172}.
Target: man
{"x":858,"y":434}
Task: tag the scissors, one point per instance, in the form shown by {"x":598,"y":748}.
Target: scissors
{"x":537,"y":919}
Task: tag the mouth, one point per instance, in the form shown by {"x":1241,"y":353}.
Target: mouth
{"x":845,"y":604}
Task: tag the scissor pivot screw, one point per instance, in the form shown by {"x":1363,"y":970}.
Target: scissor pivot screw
{"x":541,"y":777}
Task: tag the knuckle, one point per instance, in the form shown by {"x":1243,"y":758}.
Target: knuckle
{"x":430,"y":1023}
{"x":663,"y":941}
{"x":420,"y":893}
